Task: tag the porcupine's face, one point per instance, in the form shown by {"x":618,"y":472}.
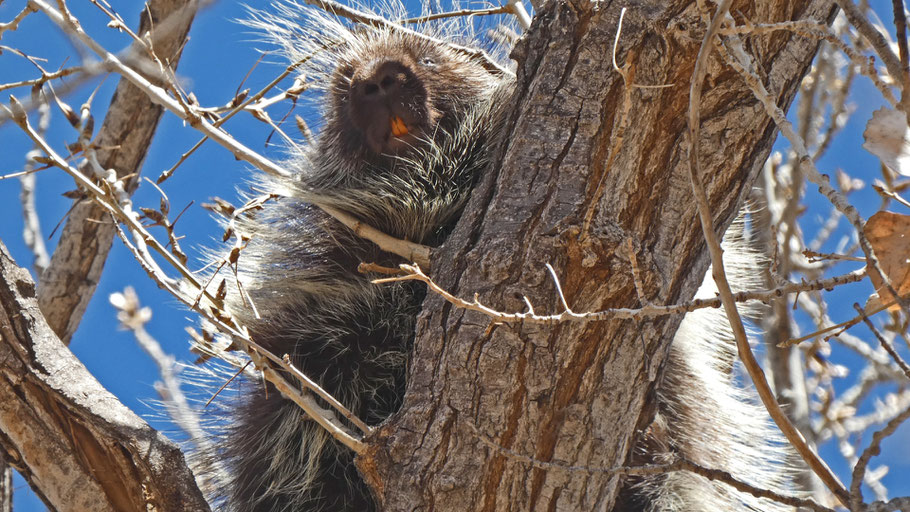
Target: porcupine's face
{"x":392,"y":92}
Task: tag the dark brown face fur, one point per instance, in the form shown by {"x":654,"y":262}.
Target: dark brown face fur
{"x":397,"y":92}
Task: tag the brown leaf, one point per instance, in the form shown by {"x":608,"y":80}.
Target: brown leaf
{"x":155,"y":216}
{"x":222,"y":290}
{"x":74,"y":194}
{"x":889,"y":235}
{"x":219,"y":206}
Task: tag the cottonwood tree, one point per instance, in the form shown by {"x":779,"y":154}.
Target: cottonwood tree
{"x":626,"y":157}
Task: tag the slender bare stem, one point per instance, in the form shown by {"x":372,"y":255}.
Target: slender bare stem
{"x":755,"y":371}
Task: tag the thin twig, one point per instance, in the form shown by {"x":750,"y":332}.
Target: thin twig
{"x":101,"y":196}
{"x":117,"y":203}
{"x":243,"y":104}
{"x":874,"y":448}
{"x":521,"y":14}
{"x":792,"y":434}
{"x":420,"y":254}
{"x":14,"y":24}
{"x":414,"y":273}
{"x":842,"y":326}
{"x":373,"y":20}
{"x":262,"y":357}
{"x":814,"y":29}
{"x":327,"y":397}
{"x":875,"y":38}
{"x":885,"y":193}
{"x":738,"y":60}
{"x":884,"y":343}
{"x":460,"y":13}
{"x":160,"y":96}
{"x":133,"y":317}
{"x":31,"y":232}
{"x":53,"y":75}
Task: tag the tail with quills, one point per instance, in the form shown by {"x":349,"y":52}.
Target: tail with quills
{"x":706,"y":415}
{"x":357,"y":349}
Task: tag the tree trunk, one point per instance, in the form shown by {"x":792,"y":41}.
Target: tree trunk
{"x":576,"y":183}
{"x":74,"y":442}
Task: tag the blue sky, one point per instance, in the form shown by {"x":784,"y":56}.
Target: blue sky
{"x":216,"y":59}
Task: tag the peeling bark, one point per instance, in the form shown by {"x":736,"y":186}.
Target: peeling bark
{"x":572,"y":394}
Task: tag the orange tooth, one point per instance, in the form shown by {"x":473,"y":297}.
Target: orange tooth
{"x":398,"y":127}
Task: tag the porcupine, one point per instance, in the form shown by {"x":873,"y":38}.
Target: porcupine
{"x":409,"y":127}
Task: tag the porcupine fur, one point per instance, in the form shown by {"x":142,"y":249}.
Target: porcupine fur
{"x":705,"y":415}
{"x":354,"y":337}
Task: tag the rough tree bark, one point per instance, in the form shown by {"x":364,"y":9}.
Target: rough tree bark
{"x":576,"y":183}
{"x":574,"y":393}
{"x":78,"y":447}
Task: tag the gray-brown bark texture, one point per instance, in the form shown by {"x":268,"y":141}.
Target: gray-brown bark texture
{"x":573,"y":393}
{"x":74,"y":442}
{"x":69,"y":282}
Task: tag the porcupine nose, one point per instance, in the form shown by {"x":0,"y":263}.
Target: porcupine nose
{"x":385,"y":97}
{"x":383,"y":84}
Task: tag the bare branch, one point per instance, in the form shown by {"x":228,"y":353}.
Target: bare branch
{"x":875,"y":38}
{"x":410,"y":251}
{"x":238,"y":108}
{"x":117,"y":203}
{"x":792,"y":434}
{"x":514,"y":7}
{"x":260,"y":356}
{"x":414,"y":273}
{"x":352,"y":14}
{"x":14,"y":24}
{"x":159,"y":96}
{"x":34,"y":239}
{"x":808,"y":28}
{"x":76,"y":265}
{"x":885,"y":344}
{"x":873,"y":449}
{"x":133,"y":317}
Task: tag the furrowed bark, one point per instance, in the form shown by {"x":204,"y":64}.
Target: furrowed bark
{"x":574,"y":394}
{"x":69,"y":282}
{"x":74,"y":442}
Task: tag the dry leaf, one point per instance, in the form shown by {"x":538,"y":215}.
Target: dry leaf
{"x":889,"y":235}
